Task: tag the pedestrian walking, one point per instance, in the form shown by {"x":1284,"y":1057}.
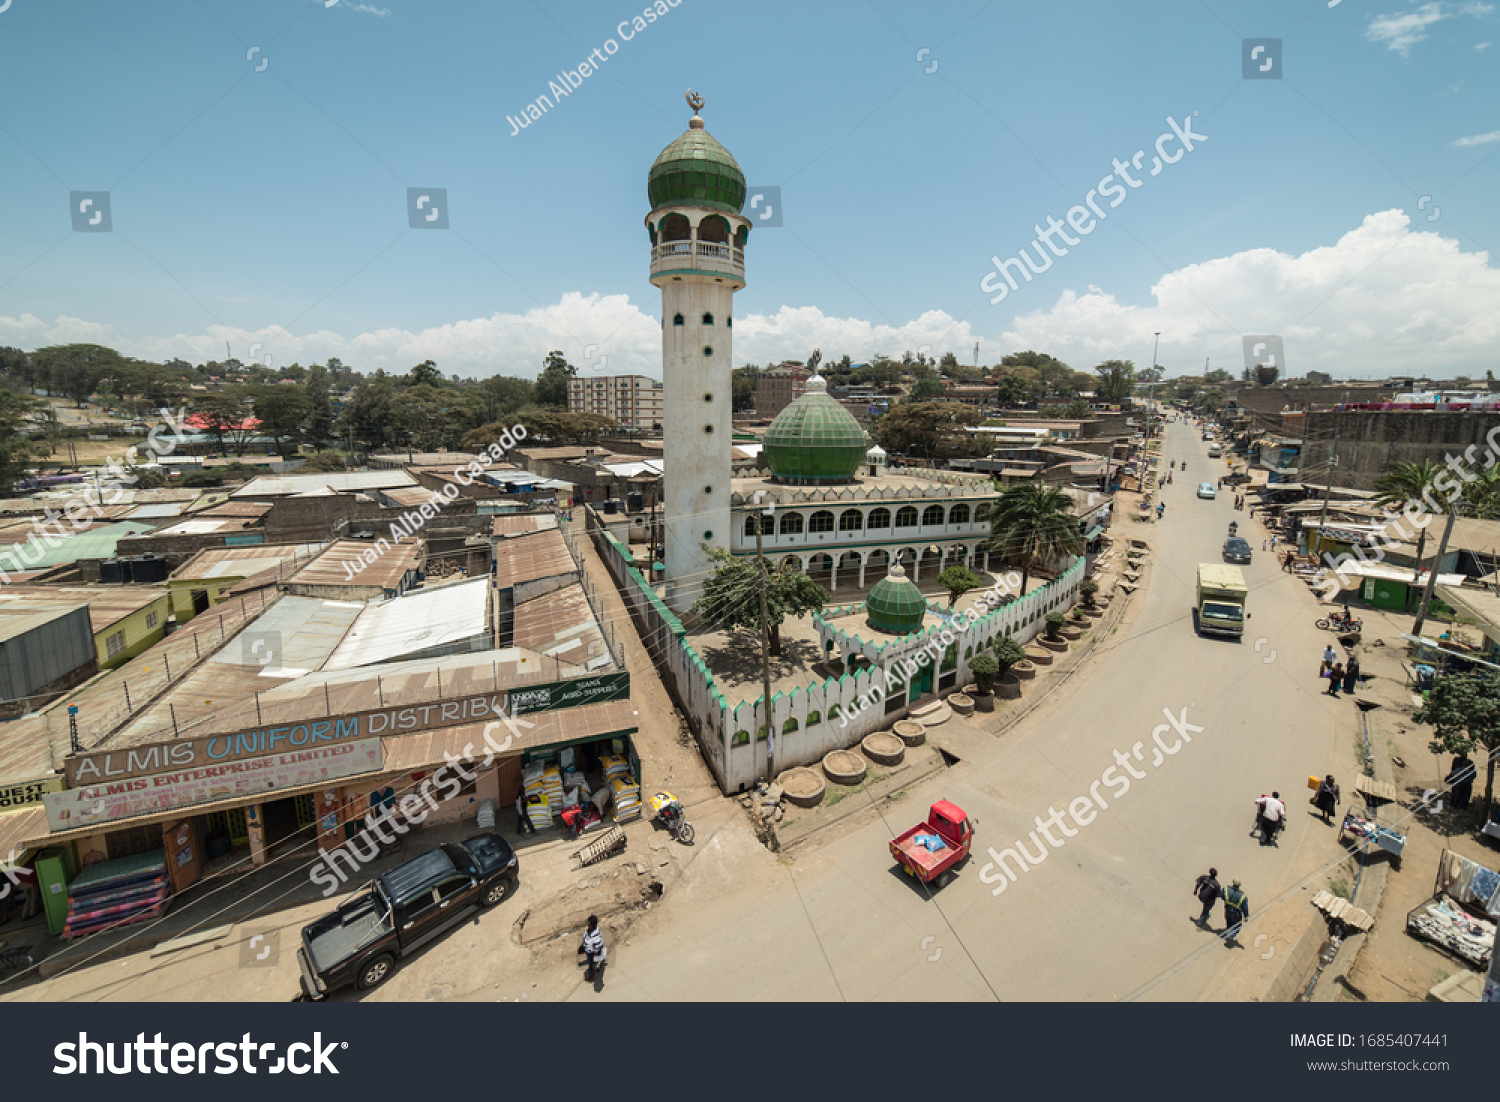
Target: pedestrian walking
{"x":1207,"y":889}
{"x":1335,"y":679}
{"x":1236,"y":910}
{"x":1273,"y":538}
{"x":1351,"y":674}
{"x":1263,"y":545}
{"x":1328,"y":659}
{"x":1327,"y":798}
{"x":593,"y":949}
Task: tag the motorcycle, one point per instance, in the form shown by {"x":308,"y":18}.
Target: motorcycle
{"x":1341,"y":624}
{"x":1233,"y":528}
{"x":669,"y":812}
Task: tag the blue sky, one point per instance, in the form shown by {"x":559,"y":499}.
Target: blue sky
{"x":268,"y":204}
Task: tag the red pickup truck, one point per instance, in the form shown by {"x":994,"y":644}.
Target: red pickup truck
{"x":931,"y":850}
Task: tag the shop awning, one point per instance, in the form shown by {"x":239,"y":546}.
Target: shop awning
{"x":429,"y":749}
{"x":18,"y":826}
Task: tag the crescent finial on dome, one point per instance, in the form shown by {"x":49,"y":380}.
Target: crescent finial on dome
{"x":695,"y":101}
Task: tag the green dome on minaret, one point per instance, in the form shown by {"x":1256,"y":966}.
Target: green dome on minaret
{"x":896,"y":605}
{"x":814,"y":440}
{"x":697,"y":171}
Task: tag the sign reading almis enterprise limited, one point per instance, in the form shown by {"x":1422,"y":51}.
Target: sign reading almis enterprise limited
{"x":107,"y":765}
{"x":122,"y":799}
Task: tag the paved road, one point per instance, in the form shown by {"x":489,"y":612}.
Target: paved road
{"x":1106,"y":914}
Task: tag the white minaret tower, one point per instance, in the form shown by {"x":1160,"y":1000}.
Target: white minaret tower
{"x":698,"y":260}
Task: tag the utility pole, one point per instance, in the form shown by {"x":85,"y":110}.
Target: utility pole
{"x":765,"y":638}
{"x":1416,"y":627}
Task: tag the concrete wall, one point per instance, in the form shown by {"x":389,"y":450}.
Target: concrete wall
{"x":1370,"y":442}
{"x":1273,"y":399}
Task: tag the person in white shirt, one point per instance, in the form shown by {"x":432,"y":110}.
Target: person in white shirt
{"x":593,"y":949}
{"x":1270,"y":814}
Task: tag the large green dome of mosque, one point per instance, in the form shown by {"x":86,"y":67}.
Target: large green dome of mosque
{"x":696,"y":170}
{"x":814,"y":440}
{"x":895,"y":604}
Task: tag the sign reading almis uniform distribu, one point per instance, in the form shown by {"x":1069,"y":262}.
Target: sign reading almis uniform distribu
{"x":99,"y":766}
{"x":121,"y":799}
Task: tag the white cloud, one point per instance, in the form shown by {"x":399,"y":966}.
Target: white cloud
{"x":1482,"y":46}
{"x":1403,"y":30}
{"x":1480,"y":139}
{"x":362,"y":9}
{"x":1382,"y":299}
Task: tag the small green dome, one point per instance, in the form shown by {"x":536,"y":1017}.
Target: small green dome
{"x":696,"y":170}
{"x":896,"y":605}
{"x":814,"y":440}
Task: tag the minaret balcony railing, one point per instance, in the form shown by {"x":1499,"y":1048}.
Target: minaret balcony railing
{"x":700,"y":255}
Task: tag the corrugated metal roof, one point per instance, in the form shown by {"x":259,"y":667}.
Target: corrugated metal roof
{"x":561,"y":624}
{"x":336,"y":481}
{"x":97,"y":542}
{"x":343,"y":563}
{"x":155,"y":512}
{"x":522,"y":524}
{"x":416,"y":622}
{"x":406,"y":753}
{"x":528,"y":558}
{"x":108,"y":604}
{"x":242,"y":562}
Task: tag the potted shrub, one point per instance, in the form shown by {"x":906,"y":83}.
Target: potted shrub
{"x":1008,"y":654}
{"x":1055,"y":622}
{"x":1088,"y":589}
{"x":985,"y":670}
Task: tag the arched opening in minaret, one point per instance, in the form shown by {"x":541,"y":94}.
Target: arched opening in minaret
{"x":676,"y":227}
{"x":715,"y":229}
{"x":741,"y":235}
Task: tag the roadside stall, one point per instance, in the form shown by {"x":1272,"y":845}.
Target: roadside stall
{"x":1367,"y":827}
{"x":1459,"y":917}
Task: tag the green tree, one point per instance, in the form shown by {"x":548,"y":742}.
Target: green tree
{"x":1265,"y":374}
{"x":1219,"y":375}
{"x":986,"y":669}
{"x":958,"y":580}
{"x":422,"y":416}
{"x":930,"y":429}
{"x":425,"y":373}
{"x":731,"y":595}
{"x":500,"y":396}
{"x":1033,"y":522}
{"x":1116,"y":381}
{"x":1465,"y":709}
{"x":743,"y":383}
{"x":17,"y":451}
{"x":224,"y":414}
{"x":281,"y":408}
{"x":925,"y":390}
{"x":552,"y":383}
{"x":324,"y":462}
{"x":320,"y":406}
{"x":367,"y":413}
{"x":1405,"y":483}
{"x":1014,"y":391}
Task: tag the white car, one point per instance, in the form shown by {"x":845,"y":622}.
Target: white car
{"x":1206,"y":489}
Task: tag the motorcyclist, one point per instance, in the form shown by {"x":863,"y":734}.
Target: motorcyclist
{"x":1270,"y":817}
{"x":1343,"y":618}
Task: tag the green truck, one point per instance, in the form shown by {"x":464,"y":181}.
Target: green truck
{"x":1221,"y":599}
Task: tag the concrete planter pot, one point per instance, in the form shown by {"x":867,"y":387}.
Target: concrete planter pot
{"x":883,"y":749}
{"x":1056,"y":646}
{"x":844,"y":767}
{"x":1024,"y":670}
{"x":910,"y":732}
{"x":802,"y":787}
{"x":1008,"y":688}
{"x":961,"y":703}
{"x":1038,"y":656}
{"x":1093,"y":613}
{"x":1072,"y":632}
{"x":984,"y":702}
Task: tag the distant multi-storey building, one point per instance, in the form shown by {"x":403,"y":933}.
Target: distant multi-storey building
{"x":635,"y":401}
{"x":778,"y":388}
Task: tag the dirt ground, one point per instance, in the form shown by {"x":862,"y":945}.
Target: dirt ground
{"x":1393,"y":966}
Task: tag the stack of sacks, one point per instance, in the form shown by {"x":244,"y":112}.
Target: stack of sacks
{"x":538,"y":806}
{"x":627,"y":795}
{"x":552,"y":786}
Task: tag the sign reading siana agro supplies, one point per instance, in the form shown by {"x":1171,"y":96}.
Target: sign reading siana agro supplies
{"x":162,"y":792}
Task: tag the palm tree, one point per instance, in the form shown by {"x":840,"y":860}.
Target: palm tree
{"x":1407,"y":482}
{"x":1482,"y":496}
{"x":1034,"y":521}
